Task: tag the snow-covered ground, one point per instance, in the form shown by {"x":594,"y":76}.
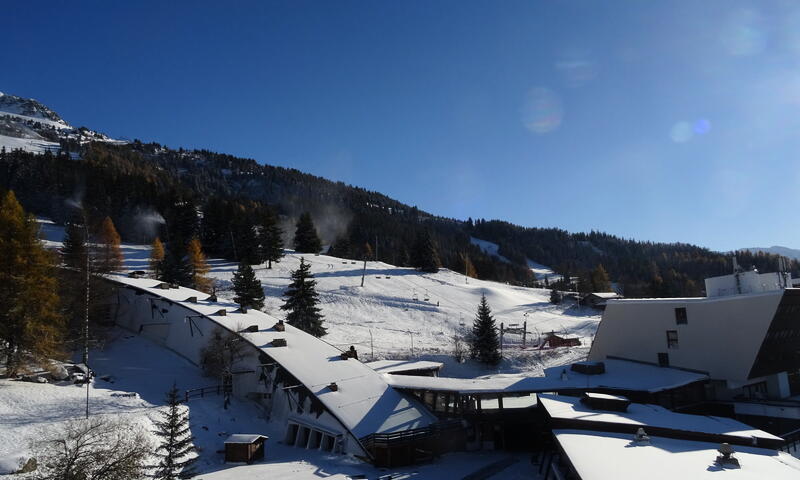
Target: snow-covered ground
{"x":133,"y":364}
{"x":398,"y":306}
{"x":379,"y":318}
{"x":541,"y":271}
{"x":27,"y":144}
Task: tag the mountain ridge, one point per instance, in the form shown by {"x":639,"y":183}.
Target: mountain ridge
{"x":129,"y":180}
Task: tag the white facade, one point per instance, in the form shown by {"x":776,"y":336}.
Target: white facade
{"x":747,"y":282}
{"x":720,"y":335}
{"x":361,"y":404}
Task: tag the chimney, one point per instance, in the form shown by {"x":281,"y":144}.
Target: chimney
{"x":279,"y":327}
{"x":211,"y":298}
{"x":221,"y":312}
{"x":242,"y":309}
{"x":726,"y":456}
{"x":333,"y":387}
{"x":192,"y":299}
{"x":251,"y":329}
{"x":641,"y":437}
{"x":279,"y":342}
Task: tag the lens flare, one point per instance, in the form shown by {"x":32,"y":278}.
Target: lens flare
{"x":701,"y":126}
{"x":542,"y":111}
{"x":681,"y":132}
{"x":743,"y":33}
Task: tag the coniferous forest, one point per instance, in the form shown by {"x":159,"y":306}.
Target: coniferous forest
{"x":234,"y":206}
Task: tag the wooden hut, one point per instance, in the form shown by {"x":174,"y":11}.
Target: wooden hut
{"x":244,"y":448}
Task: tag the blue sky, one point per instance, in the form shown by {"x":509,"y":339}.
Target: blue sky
{"x":664,"y":121}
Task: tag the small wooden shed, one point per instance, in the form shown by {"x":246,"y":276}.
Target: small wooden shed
{"x":243,"y":447}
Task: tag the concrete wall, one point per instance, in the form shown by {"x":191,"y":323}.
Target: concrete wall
{"x":166,"y":324}
{"x":722,"y":335}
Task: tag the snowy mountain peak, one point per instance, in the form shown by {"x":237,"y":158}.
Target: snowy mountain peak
{"x":27,"y":107}
{"x":27,"y":124}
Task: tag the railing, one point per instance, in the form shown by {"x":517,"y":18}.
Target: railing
{"x":409,"y":435}
{"x":203,"y":391}
{"x":792,"y":441}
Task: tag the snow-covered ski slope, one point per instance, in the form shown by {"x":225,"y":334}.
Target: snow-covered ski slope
{"x":398,"y":306}
{"x":540,"y":271}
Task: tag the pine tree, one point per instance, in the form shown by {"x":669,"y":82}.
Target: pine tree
{"x":246,"y":241}
{"x":249,"y":292}
{"x":30,"y":322}
{"x":484,"y":342}
{"x":157,"y":257}
{"x":74,"y":249}
{"x":301,"y":302}
{"x":176,"y":441}
{"x":306,"y":239}
{"x":198,"y":267}
{"x":341,"y":248}
{"x":426,"y":256}
{"x":109,"y":256}
{"x":271,"y":239}
{"x":555,"y":297}
{"x":175,"y":268}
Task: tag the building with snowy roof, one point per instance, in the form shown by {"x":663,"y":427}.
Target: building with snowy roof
{"x":745,"y":335}
{"x":328,"y":400}
{"x":601,"y":436}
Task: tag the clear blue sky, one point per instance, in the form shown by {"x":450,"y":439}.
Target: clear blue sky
{"x":665,"y":121}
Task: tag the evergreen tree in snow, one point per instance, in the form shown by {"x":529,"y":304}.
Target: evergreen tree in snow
{"x":301,"y":302}
{"x":176,"y":441}
{"x":270,"y":239}
{"x":426,"y":255}
{"x":74,"y":250}
{"x":341,"y":248}
{"x":484,"y":343}
{"x":109,"y":255}
{"x":306,"y":239}
{"x":247,"y":287}
{"x":198,"y":267}
{"x":555,"y":297}
{"x":175,"y":268}
{"x":246,"y":241}
{"x":156,"y":257}
{"x":30,"y":321}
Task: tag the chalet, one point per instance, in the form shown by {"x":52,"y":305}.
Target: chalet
{"x":244,"y":448}
{"x":552,"y":340}
{"x":598,"y":299}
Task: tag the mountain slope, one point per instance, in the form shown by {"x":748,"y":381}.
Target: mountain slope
{"x":792,"y":253}
{"x":28,"y":125}
{"x":132,"y":182}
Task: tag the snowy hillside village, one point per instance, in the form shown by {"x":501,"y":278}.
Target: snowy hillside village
{"x":397,"y":388}
{"x":146,"y":358}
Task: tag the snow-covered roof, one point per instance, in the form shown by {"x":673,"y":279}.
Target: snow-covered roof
{"x":605,"y":294}
{"x":394,"y":366}
{"x":244,"y":438}
{"x":364,"y":402}
{"x":571,"y":408}
{"x":605,"y":396}
{"x":600,"y":456}
{"x":619,"y":375}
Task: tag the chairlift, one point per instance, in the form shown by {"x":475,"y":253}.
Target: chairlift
{"x":427,"y":297}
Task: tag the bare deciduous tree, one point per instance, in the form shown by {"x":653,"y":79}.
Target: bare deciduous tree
{"x":93,"y":449}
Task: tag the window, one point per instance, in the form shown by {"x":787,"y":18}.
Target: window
{"x":663,"y":359}
{"x":672,"y":339}
{"x":680,"y":316}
